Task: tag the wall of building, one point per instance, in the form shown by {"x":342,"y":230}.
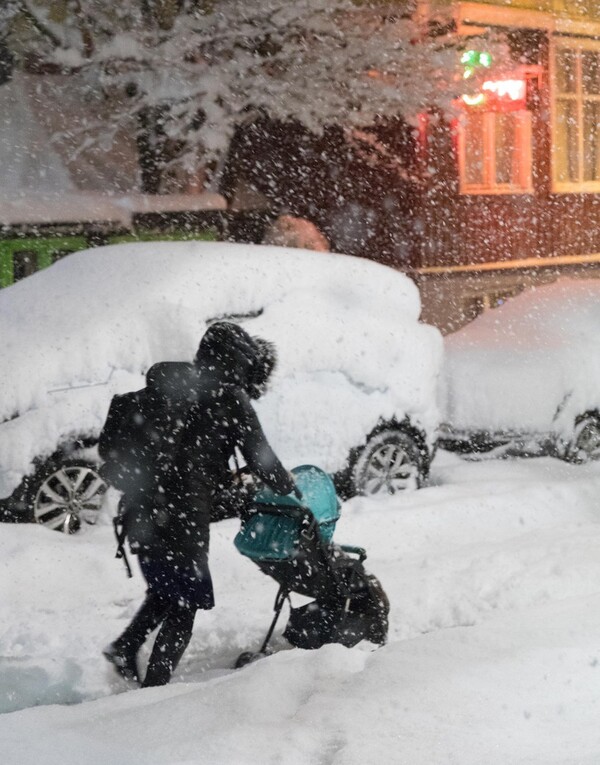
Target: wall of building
{"x":457,"y":228}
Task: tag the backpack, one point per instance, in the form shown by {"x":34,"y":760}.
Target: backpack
{"x":137,"y":443}
{"x":139,"y":437}
{"x":121,"y":443}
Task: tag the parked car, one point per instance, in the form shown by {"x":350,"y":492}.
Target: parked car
{"x":354,"y":391}
{"x":526,"y":376}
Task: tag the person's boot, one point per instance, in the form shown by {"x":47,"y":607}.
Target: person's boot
{"x":123,"y":660}
{"x":170,"y":644}
{"x":122,"y":653}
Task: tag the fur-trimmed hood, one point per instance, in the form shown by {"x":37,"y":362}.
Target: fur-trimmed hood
{"x":229,"y":353}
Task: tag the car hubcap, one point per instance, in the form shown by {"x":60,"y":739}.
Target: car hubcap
{"x":588,"y":441}
{"x":69,"y":496}
{"x":389,"y":469}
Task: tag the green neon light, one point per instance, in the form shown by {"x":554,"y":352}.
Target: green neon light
{"x":475,"y":58}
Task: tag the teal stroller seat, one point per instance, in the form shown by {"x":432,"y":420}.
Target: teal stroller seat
{"x":291,"y":540}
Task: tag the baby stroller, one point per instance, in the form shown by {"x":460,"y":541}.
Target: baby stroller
{"x":290,"y":540}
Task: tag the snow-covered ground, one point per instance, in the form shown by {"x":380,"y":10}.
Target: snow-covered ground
{"x":493,"y":573}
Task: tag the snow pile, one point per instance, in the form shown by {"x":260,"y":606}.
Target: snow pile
{"x":350,"y":345}
{"x":493,"y":656}
{"x":533,"y":364}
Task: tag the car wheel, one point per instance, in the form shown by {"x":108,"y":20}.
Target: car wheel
{"x":391,"y":461}
{"x":585,"y":446}
{"x":64,"y":496}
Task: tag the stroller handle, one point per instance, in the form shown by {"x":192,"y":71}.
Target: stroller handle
{"x":354,"y":550}
{"x":289,"y":511}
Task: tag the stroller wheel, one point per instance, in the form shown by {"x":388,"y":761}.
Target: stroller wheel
{"x":248,"y":657}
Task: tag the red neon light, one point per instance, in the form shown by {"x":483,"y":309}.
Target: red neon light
{"x":515,"y":90}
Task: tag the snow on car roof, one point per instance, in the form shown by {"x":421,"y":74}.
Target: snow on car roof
{"x":541,"y":317}
{"x":531,"y":365}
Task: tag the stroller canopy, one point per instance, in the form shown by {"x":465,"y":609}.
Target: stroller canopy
{"x":273,"y":532}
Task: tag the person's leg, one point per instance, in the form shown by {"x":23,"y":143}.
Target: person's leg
{"x":123,"y":651}
{"x":171,"y":641}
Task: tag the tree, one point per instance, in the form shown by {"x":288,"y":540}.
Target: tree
{"x":189,"y":71}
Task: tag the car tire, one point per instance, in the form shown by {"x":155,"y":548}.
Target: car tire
{"x":391,"y":461}
{"x":64,"y":495}
{"x":585,"y":444}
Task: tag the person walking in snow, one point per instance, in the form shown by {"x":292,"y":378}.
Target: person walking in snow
{"x":233,"y":369}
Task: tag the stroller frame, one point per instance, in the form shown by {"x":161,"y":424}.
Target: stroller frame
{"x":349,"y":604}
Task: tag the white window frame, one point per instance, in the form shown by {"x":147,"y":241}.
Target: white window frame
{"x":523,"y":180}
{"x":577,"y":45}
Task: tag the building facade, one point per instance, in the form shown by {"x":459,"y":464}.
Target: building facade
{"x":524,"y":175}
{"x":515,"y":197}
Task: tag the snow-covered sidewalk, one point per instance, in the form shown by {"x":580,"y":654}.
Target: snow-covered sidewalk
{"x":493,"y":573}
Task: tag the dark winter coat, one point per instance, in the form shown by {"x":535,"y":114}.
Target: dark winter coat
{"x":233,"y":367}
{"x":169,"y":448}
{"x":138,"y":444}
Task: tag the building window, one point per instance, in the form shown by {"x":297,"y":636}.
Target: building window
{"x":576,"y":115}
{"x":494,"y":151}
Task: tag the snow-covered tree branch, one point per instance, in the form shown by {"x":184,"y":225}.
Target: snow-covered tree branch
{"x":206,"y":66}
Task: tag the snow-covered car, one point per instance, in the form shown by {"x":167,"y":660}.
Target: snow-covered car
{"x":354,"y":390}
{"x":525,"y":376}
